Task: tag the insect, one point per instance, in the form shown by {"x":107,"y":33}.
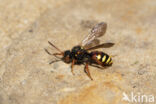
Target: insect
{"x":81,"y":54}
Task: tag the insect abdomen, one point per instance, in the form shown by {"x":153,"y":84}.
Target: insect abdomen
{"x":102,"y":58}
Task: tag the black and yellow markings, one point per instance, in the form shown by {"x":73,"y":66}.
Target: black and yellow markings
{"x":108,"y":60}
{"x":98,"y":57}
{"x":77,"y":53}
{"x":104,"y":58}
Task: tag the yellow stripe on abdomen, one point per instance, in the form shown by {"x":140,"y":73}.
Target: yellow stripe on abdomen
{"x":104,"y":58}
{"x":109,"y":59}
{"x":98,"y":57}
{"x":110,"y":62}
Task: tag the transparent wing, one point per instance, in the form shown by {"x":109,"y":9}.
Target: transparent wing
{"x":96,"y":32}
{"x":93,"y":43}
{"x":104,"y":45}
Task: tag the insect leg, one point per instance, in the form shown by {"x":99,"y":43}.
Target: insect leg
{"x":57,"y":54}
{"x":87,"y":71}
{"x":54,"y":61}
{"x":72,"y":66}
{"x":96,"y":66}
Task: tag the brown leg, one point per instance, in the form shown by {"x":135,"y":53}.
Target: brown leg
{"x":57,"y":54}
{"x":87,"y":71}
{"x":54,"y":61}
{"x":72,"y":66}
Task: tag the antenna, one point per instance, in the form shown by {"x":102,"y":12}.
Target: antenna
{"x":55,"y":47}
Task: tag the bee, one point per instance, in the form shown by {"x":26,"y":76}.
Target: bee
{"x":84,"y":54}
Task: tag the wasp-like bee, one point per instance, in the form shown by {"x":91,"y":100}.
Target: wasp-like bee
{"x":80,"y":54}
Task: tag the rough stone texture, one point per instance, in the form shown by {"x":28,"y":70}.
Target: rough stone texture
{"x":26,"y":26}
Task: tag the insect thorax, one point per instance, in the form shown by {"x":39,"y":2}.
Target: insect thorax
{"x":80,"y":54}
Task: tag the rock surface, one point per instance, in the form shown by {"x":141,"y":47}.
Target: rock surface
{"x":26,"y":26}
